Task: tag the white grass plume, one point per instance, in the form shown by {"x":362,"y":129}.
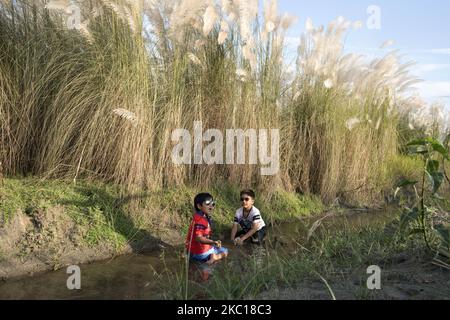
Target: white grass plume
{"x":123,"y":12}
{"x":352,"y":123}
{"x":126,"y":114}
{"x":194,"y":59}
{"x":241,"y":74}
{"x":209,"y":19}
{"x":60,"y":5}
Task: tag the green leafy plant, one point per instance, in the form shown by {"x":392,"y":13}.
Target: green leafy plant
{"x":419,"y":218}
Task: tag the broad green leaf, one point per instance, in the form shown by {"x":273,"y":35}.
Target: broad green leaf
{"x":405,"y":182}
{"x":418,"y":142}
{"x":420,"y":146}
{"x":436,"y":179}
{"x":418,"y":150}
{"x":432,"y":166}
{"x":438,"y":147}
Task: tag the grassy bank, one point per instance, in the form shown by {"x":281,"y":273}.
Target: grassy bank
{"x":94,"y":207}
{"x":100,"y":217}
{"x":333,"y":265}
{"x":109,"y":209}
{"x":48,"y":220}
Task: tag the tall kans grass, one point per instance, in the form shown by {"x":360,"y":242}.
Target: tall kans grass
{"x":102,"y":100}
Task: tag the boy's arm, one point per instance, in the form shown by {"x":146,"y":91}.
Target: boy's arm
{"x":234,"y":231}
{"x":251,"y":232}
{"x":204,"y":240}
{"x":200,"y":236}
{"x":235,"y":226}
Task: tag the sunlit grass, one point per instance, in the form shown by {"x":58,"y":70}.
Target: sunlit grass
{"x":105,"y":212}
{"x":102,"y":101}
{"x":330,"y":257}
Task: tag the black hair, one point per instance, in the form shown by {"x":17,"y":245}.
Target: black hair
{"x":248,"y":192}
{"x":200,"y":198}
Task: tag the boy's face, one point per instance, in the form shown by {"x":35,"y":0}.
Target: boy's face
{"x":247,"y":201}
{"x":207,"y":206}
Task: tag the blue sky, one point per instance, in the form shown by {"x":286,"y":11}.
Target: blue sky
{"x":420,"y":29}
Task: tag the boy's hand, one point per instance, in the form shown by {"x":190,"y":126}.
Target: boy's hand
{"x":238,"y":242}
{"x":218,"y":244}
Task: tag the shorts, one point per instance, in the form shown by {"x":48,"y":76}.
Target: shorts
{"x":257,"y":238}
{"x":203,"y":257}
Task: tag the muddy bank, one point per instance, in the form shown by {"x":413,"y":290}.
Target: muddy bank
{"x":49,"y":239}
{"x":404,"y":277}
{"x":49,"y":224}
{"x":346,"y":244}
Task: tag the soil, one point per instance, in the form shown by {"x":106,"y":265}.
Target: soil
{"x":402,"y":278}
{"x":50,"y":240}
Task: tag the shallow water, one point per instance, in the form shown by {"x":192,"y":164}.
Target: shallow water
{"x":140,"y":276}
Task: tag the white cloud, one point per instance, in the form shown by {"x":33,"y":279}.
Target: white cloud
{"x":440,"y":51}
{"x":425,"y":68}
{"x":443,"y":51}
{"x":434,"y":89}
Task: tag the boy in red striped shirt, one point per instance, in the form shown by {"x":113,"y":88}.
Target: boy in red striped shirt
{"x":199,"y":245}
